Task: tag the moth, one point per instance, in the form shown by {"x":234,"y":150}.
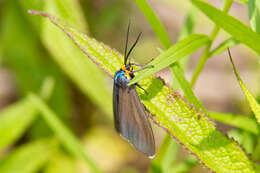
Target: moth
{"x":130,"y":115}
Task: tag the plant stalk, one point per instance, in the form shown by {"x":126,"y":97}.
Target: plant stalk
{"x":205,"y":55}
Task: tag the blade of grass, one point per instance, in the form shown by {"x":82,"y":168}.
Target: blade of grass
{"x":25,"y":57}
{"x":234,"y":27}
{"x":238,"y":121}
{"x":154,"y":22}
{"x":168,"y":152}
{"x":28,"y":158}
{"x":179,"y":50}
{"x":185,"y":31}
{"x":204,"y":57}
{"x":255,"y":107}
{"x":179,"y":73}
{"x":254,"y":14}
{"x":171,"y":112}
{"x":15,"y":119}
{"x":175,"y":67}
{"x":65,"y":136}
{"x":84,"y":73}
{"x":228,"y":43}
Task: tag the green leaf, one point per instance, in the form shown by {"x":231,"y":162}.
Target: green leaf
{"x":179,"y":50}
{"x":65,"y":136}
{"x":84,"y":73}
{"x":228,"y":43}
{"x":167,"y":154}
{"x":154,"y":22}
{"x":102,"y":55}
{"x":255,"y":107}
{"x":29,"y":158}
{"x":186,"y":30}
{"x":254,"y":14}
{"x":168,"y":60}
{"x":179,"y":73}
{"x":226,"y":4}
{"x":238,"y":121}
{"x":234,"y":27}
{"x":14,"y":120}
{"x":171,"y":112}
{"x":27,"y":54}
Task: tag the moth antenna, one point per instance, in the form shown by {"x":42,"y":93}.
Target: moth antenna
{"x":126,"y":43}
{"x":133,"y":45}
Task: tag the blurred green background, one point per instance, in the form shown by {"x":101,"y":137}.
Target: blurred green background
{"x":35,"y":59}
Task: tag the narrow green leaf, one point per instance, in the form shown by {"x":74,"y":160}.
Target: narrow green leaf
{"x":168,"y":60}
{"x":179,"y":50}
{"x":101,"y":54}
{"x":14,"y":120}
{"x":185,"y":31}
{"x":254,"y":14}
{"x":28,"y":54}
{"x":28,"y":158}
{"x":228,"y":43}
{"x":255,"y":107}
{"x":84,"y":73}
{"x":65,"y":136}
{"x":238,"y":121}
{"x":167,"y":154}
{"x":154,"y":22}
{"x":179,"y":73}
{"x":234,"y":27}
{"x":226,"y":5}
{"x":171,"y":112}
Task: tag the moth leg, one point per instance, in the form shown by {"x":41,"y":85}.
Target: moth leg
{"x":139,"y":86}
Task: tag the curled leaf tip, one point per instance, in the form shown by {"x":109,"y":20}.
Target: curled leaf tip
{"x":33,"y":12}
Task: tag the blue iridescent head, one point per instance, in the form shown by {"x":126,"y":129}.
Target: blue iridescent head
{"x":123,"y":76}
